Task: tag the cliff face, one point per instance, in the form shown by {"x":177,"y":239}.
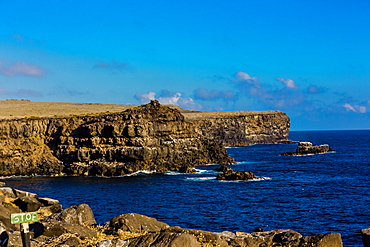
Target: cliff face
{"x":244,"y":128}
{"x":148,"y":137}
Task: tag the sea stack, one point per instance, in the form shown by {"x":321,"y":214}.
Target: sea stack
{"x":306,"y":148}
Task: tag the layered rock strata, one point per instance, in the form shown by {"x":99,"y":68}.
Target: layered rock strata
{"x":76,"y":226}
{"x":149,"y":137}
{"x":242,"y":128}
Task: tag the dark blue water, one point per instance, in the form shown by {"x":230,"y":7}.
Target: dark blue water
{"x":309,"y":194}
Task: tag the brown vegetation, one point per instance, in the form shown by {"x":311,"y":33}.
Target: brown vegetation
{"x":12,"y":109}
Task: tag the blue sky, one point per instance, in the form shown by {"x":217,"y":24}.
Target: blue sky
{"x":310,"y":59}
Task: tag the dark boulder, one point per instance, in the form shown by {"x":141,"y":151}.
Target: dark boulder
{"x":78,"y":215}
{"x":230,"y":174}
{"x":28,"y":204}
{"x":6,"y":210}
{"x":53,"y":228}
{"x":136,"y":223}
{"x":282,"y":237}
{"x":322,"y":240}
{"x":187,"y":170}
{"x":204,"y":237}
{"x":365,"y":233}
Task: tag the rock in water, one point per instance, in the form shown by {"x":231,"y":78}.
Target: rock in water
{"x":306,"y":148}
{"x":230,"y":174}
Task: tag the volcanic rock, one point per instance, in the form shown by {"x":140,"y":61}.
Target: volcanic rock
{"x":365,"y":233}
{"x":136,"y":223}
{"x":306,"y":148}
{"x":149,"y":137}
{"x":230,"y":174}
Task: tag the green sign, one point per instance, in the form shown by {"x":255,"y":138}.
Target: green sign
{"x":24,"y":217}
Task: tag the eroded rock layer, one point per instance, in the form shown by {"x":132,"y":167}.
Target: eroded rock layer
{"x":149,"y":137}
{"x":243,"y":128}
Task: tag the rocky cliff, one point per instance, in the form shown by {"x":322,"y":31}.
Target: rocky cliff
{"x":148,"y":137}
{"x":243,"y":127}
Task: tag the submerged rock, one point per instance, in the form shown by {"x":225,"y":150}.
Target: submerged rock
{"x":306,"y":148}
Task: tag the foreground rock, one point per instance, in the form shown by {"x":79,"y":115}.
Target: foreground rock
{"x":76,"y":226}
{"x":306,"y":148}
{"x":230,"y":174}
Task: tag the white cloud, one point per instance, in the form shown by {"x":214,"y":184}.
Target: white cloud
{"x":170,"y":99}
{"x":167,"y":98}
{"x":355,"y":108}
{"x":289,"y":83}
{"x":361,"y":109}
{"x":349,"y":107}
{"x":242,"y":76}
{"x":21,"y":68}
{"x":145,"y":97}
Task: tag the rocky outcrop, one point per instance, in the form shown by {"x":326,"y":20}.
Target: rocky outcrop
{"x":149,"y":137}
{"x":230,"y":174}
{"x":76,"y":226}
{"x":306,"y":148}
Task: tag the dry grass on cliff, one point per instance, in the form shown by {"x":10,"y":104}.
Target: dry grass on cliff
{"x":224,"y":114}
{"x":10,"y":109}
{"x":13,"y":109}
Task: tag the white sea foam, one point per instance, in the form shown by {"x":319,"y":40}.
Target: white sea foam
{"x":250,"y":180}
{"x":246,"y":162}
{"x":204,"y":171}
{"x":200,"y":178}
{"x":9,"y":177}
{"x":138,"y":173}
{"x":172,"y":173}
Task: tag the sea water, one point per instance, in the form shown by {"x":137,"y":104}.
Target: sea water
{"x":310,"y":194}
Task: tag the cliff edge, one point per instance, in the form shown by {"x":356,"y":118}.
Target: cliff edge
{"x":148,"y":137}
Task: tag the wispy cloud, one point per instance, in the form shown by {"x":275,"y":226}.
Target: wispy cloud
{"x":112,"y":66}
{"x":313,"y":89}
{"x":21,"y":69}
{"x":355,"y":108}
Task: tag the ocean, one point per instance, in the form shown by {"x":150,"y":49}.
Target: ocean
{"x":311,"y":194}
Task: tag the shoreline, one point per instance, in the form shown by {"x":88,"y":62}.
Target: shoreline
{"x":76,"y":226}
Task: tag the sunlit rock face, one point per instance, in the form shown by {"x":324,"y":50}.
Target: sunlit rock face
{"x":149,"y":137}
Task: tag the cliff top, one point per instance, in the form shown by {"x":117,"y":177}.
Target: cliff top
{"x":13,"y":109}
